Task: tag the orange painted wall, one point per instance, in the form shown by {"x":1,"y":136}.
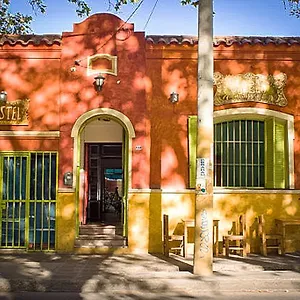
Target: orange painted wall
{"x":124,"y":92}
{"x":22,"y":144}
{"x":32,"y":72}
{"x":170,"y":69}
{"x":147,"y":74}
{"x":173,"y":67}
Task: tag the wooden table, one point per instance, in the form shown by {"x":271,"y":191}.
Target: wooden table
{"x":191,"y":223}
{"x":281,"y":228}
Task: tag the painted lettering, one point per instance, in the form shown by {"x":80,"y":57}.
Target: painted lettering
{"x":2,"y":115}
{"x":18,"y":114}
{"x":8,"y":110}
{"x":204,"y":234}
{"x":15,"y":113}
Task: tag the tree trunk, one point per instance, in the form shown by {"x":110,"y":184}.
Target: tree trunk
{"x":203,"y":253}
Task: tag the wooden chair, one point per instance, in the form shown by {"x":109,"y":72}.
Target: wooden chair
{"x":236,"y":238}
{"x":190,"y":223}
{"x":172,"y":243}
{"x":275,"y":240}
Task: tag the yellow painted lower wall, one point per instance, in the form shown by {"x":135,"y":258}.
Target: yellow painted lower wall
{"x":273,"y":205}
{"x":65,"y":222}
{"x":138,"y":222}
{"x":146,"y":209}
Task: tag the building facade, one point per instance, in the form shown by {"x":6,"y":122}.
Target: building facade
{"x":70,"y":146}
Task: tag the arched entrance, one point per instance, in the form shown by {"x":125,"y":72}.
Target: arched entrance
{"x":102,"y":163}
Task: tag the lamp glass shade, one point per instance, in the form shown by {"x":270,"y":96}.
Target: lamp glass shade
{"x":99,"y":81}
{"x":174,"y":97}
{"x":3,"y":96}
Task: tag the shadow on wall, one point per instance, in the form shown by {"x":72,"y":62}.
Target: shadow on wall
{"x":227,"y":207}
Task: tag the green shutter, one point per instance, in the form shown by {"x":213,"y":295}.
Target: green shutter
{"x":275,"y":169}
{"x":269,"y":153}
{"x":279,"y":156}
{"x":192,"y":127}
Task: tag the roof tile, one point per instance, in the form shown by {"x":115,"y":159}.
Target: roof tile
{"x":223,"y":40}
{"x":48,"y":39}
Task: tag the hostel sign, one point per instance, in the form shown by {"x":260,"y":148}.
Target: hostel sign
{"x":250,"y":87}
{"x":14,"y":112}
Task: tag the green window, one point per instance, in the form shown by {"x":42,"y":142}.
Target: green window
{"x":28,"y":200}
{"x":247,"y":153}
{"x":239,"y":154}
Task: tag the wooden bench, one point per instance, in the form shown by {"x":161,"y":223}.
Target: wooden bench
{"x":172,"y":243}
{"x":281,"y":225}
{"x":236,"y":239}
{"x":268,"y":240}
{"x":183,"y":239}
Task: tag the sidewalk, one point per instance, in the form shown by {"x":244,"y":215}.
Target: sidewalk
{"x":140,"y":274}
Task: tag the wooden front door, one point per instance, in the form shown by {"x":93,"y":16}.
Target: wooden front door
{"x":104,"y":181}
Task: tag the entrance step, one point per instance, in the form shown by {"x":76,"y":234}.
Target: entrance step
{"x":105,"y":241}
{"x":99,"y":238}
{"x":94,"y":229}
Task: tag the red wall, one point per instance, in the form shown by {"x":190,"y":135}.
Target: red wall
{"x":173,"y":67}
{"x":124,"y":92}
{"x":147,"y":74}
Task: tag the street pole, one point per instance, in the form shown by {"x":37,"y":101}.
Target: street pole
{"x":203,"y":250}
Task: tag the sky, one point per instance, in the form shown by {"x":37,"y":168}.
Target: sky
{"x":232,"y":17}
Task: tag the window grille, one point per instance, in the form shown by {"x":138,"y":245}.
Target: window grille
{"x":42,"y":201}
{"x":13,"y":204}
{"x":239,"y":149}
{"x":27,"y":204}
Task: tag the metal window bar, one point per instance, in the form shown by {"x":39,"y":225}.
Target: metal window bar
{"x":45,"y":176}
{"x":229,"y":172}
{"x":20,"y":219}
{"x":12,"y":202}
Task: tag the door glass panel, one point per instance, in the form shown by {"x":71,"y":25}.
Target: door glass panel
{"x":113,"y":190}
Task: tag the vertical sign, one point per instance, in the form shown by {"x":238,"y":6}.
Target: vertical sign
{"x":201,"y":182}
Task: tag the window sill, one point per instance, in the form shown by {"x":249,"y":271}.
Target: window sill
{"x":254,"y":191}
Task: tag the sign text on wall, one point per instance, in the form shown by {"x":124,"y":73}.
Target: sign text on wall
{"x":14,"y":112}
{"x":250,"y":87}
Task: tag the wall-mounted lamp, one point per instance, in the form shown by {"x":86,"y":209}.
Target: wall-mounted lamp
{"x":98,"y":83}
{"x":3,"y":96}
{"x":68,"y":179}
{"x":174,"y":97}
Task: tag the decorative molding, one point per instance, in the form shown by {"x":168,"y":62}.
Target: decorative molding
{"x":250,"y":87}
{"x":23,"y":133}
{"x":80,"y":123}
{"x":220,"y":191}
{"x":65,"y":190}
{"x":14,"y":112}
{"x":94,"y":65}
{"x":161,"y":191}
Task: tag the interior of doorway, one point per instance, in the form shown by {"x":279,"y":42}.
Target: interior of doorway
{"x":104,"y":169}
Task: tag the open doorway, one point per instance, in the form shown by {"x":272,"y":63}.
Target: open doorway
{"x":103,"y":137}
{"x":104,"y":167}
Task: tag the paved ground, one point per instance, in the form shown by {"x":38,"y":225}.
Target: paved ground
{"x":147,"y":295}
{"x":55,"y":276}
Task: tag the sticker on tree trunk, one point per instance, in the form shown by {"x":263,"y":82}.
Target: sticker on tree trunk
{"x":201,"y":181}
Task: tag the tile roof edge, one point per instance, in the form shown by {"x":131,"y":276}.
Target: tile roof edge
{"x":34,"y":39}
{"x":225,"y":40}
